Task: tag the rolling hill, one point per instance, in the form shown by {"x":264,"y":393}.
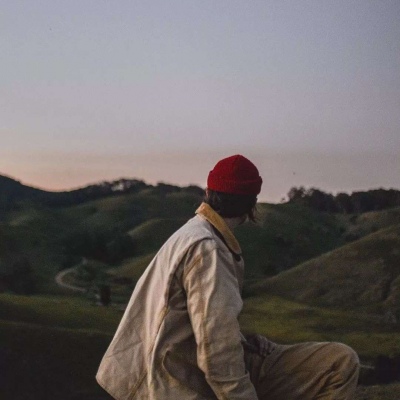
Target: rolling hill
{"x":284,"y":235}
{"x":311,"y":256}
{"x":51,"y":238}
{"x":361,"y":274}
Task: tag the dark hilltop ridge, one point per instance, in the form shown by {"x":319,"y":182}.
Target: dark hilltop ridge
{"x":14,"y":194}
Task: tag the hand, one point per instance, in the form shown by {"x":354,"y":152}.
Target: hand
{"x":259,"y":344}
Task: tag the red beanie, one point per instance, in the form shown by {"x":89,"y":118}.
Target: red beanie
{"x":235,"y":175}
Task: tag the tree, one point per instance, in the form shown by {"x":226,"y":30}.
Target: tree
{"x":320,"y":201}
{"x":344,"y":203}
{"x":296,"y":195}
{"x":357,"y":202}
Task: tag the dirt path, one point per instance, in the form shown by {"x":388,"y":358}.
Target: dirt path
{"x":59,"y":280}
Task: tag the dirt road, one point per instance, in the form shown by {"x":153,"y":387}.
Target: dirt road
{"x":59,"y":280}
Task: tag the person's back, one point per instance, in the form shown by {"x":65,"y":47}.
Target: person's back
{"x":156,"y":334}
{"x":179,"y":337}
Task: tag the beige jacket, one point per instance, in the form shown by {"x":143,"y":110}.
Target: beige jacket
{"x":179,"y":337}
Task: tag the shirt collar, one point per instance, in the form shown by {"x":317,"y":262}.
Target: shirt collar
{"x":218,"y":223}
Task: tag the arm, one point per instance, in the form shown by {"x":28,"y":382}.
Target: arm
{"x":258,"y":344}
{"x":214,"y":303}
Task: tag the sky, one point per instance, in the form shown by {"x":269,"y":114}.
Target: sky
{"x":93,"y":90}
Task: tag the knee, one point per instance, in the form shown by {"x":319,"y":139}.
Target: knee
{"x":344,"y":356}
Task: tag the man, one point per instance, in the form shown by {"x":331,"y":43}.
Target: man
{"x":179,"y":337}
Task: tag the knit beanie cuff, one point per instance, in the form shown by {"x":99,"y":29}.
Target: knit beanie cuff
{"x":245,"y":187}
{"x":235,"y":175}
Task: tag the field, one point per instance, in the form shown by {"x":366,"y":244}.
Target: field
{"x":54,"y":344}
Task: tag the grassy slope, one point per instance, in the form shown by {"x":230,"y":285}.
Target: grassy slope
{"x":289,"y":322}
{"x":364,"y":273}
{"x":148,"y":237}
{"x":361,"y":225}
{"x":38,"y":234}
{"x":285,"y":321}
{"x":152,"y":234}
{"x":285,"y":235}
{"x":52,"y":346}
{"x":132,"y":268}
{"x":61,"y":312}
{"x":34,"y":234}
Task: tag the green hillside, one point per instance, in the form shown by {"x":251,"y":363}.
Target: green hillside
{"x":132,"y":268}
{"x":148,"y":237}
{"x":285,"y":235}
{"x":360,"y":225}
{"x":54,"y":238}
{"x":364,"y":273}
{"x":152,"y":234}
{"x":37,"y":239}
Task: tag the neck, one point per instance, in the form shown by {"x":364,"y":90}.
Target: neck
{"x":233,"y":222}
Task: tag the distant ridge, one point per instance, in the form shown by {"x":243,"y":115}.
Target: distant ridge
{"x":13,"y":192}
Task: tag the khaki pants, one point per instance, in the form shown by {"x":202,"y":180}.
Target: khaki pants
{"x":305,"y":371}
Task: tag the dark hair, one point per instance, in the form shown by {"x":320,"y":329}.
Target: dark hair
{"x":232,"y":205}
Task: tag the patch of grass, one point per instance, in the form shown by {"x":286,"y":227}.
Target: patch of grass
{"x":152,"y":234}
{"x":381,"y":392}
{"x":62,"y":312}
{"x":132,"y":268}
{"x":370,"y":222}
{"x":286,"y":322}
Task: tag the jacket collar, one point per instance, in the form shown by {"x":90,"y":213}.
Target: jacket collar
{"x":218,"y":223}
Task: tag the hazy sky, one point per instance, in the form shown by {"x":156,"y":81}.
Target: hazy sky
{"x":160,"y":90}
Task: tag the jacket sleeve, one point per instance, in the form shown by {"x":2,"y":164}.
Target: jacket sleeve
{"x":214,"y":303}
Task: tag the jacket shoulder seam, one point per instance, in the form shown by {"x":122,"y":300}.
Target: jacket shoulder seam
{"x":199,"y":257}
